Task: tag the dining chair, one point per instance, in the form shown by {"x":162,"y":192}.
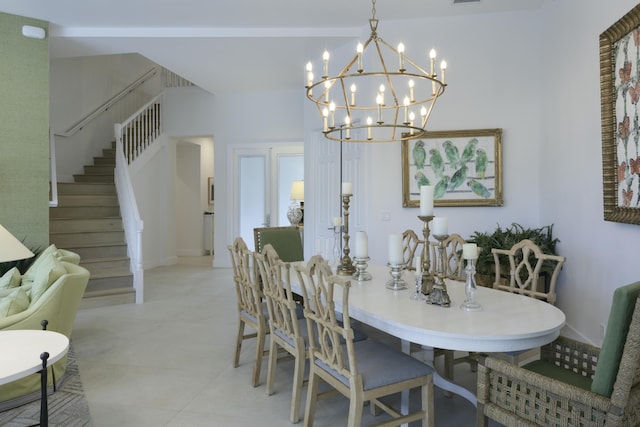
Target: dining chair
{"x":251,"y":309}
{"x":410,"y":244}
{"x":288,"y":330}
{"x":287,"y":241}
{"x":526,"y":261}
{"x":363,"y":370}
{"x":573,"y":383}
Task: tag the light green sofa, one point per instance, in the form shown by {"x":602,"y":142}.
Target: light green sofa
{"x":57,"y":302}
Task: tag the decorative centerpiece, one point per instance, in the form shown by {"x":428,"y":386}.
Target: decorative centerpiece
{"x":396,"y":264}
{"x":470,"y":253}
{"x":439,"y":295}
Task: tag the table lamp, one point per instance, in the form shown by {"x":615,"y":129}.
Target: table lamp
{"x":12,"y":249}
{"x":295,"y":214}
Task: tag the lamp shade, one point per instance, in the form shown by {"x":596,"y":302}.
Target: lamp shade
{"x":11,"y":249}
{"x":297,"y":190}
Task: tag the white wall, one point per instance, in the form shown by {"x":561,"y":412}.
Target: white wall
{"x":600,"y":255}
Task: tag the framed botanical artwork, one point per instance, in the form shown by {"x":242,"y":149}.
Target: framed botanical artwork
{"x":210,"y":184}
{"x":464,"y":166}
{"x":619,"y":96}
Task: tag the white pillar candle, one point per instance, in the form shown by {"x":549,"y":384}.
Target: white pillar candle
{"x":470,"y":251}
{"x":417,"y":263}
{"x":347,"y":188}
{"x":337,"y":221}
{"x":362,"y":245}
{"x":395,"y":249}
{"x":440,"y":226}
{"x":426,"y":200}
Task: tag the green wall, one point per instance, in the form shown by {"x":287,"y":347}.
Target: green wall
{"x":24,"y":131}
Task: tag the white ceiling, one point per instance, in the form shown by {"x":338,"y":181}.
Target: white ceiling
{"x":235,"y":45}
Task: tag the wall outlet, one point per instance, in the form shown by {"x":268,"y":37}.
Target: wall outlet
{"x":386,"y":215}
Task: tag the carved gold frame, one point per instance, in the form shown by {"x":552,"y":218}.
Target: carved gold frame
{"x":491,"y":142}
{"x":620,"y":177}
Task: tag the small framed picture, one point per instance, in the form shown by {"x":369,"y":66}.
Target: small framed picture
{"x":210,"y":183}
{"x":463,"y":166}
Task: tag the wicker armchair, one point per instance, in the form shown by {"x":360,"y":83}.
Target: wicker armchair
{"x":573,"y":383}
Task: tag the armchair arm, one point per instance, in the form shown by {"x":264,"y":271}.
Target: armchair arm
{"x":516,"y":396}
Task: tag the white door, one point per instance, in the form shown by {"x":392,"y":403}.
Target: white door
{"x":264,"y":176}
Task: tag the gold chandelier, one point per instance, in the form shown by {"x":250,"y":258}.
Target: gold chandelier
{"x":399,"y":102}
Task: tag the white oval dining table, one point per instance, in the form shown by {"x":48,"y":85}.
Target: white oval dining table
{"x":507,"y":321}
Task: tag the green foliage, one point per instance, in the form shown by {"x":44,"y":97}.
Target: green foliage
{"x":505,"y":238}
{"x":22,"y":264}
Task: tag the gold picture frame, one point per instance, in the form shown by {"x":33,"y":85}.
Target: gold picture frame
{"x":619,"y":98}
{"x":464,"y":166}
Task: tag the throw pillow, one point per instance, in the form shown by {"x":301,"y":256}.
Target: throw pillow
{"x":14,"y":303}
{"x":43,"y":258}
{"x":11,"y":279}
{"x":45,"y":277}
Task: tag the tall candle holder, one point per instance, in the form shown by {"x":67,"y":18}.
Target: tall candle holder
{"x":439,"y":295}
{"x":470,"y":303}
{"x":361,"y":274}
{"x":346,"y":267}
{"x":396,"y":283}
{"x":427,"y":276}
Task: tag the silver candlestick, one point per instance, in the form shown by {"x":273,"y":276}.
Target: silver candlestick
{"x":396,"y":283}
{"x":427,"y":276}
{"x":345,"y":268}
{"x":361,"y":273}
{"x":439,"y":295}
{"x":470,"y":303}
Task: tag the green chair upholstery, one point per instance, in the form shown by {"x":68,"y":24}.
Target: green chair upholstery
{"x":573,"y":383}
{"x":287,"y":242}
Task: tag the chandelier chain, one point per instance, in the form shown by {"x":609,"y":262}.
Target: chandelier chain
{"x":373,"y":9}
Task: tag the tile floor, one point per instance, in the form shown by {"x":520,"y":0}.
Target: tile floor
{"x":167,"y":362}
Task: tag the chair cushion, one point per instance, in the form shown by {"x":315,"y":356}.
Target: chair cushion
{"x":16,"y":302}
{"x":558,"y":373}
{"x":44,"y":277}
{"x":287,"y":243}
{"x":624,"y":301}
{"x":380,"y":365}
{"x":10,"y":279}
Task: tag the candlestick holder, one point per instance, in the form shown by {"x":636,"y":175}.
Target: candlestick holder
{"x":427,"y":277}
{"x":439,"y":295}
{"x":418,"y":295}
{"x":361,"y":274}
{"x":346,"y":267}
{"x":396,"y":283}
{"x":470,"y":303}
{"x":335,"y":255}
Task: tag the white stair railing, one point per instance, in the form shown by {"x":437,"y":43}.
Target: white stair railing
{"x":133,"y":224}
{"x":140,"y":130}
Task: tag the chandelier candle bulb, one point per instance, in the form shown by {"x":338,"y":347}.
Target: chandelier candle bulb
{"x":443,"y":67}
{"x":412,"y":117}
{"x":401,"y":57}
{"x":382,"y":94}
{"x":347,"y":188}
{"x":432,"y":60}
{"x":353,"y":95}
{"x":362,"y":245}
{"x":379,"y":102}
{"x":406,"y":109}
{"x":470,"y":251}
{"x":426,"y":200}
{"x":327,"y":87}
{"x":332,"y":110}
{"x":325,"y":119}
{"x":359,"y":50}
{"x":440,"y":226}
{"x":411,"y":95}
{"x":395,"y":249}
{"x":347,"y":123}
{"x":336,"y":221}
{"x":325,"y":60}
{"x":369,"y":123}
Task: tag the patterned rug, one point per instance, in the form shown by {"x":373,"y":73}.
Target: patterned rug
{"x":67,"y":407}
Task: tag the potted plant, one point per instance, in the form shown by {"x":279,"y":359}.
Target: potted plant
{"x":505,"y":238}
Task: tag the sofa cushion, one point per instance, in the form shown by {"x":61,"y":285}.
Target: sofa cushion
{"x":624,"y":301}
{"x":50,"y":270}
{"x":41,"y":262}
{"x":16,"y":302}
{"x":10,"y":279}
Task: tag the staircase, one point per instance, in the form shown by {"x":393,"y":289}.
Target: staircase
{"x":87,"y":221}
